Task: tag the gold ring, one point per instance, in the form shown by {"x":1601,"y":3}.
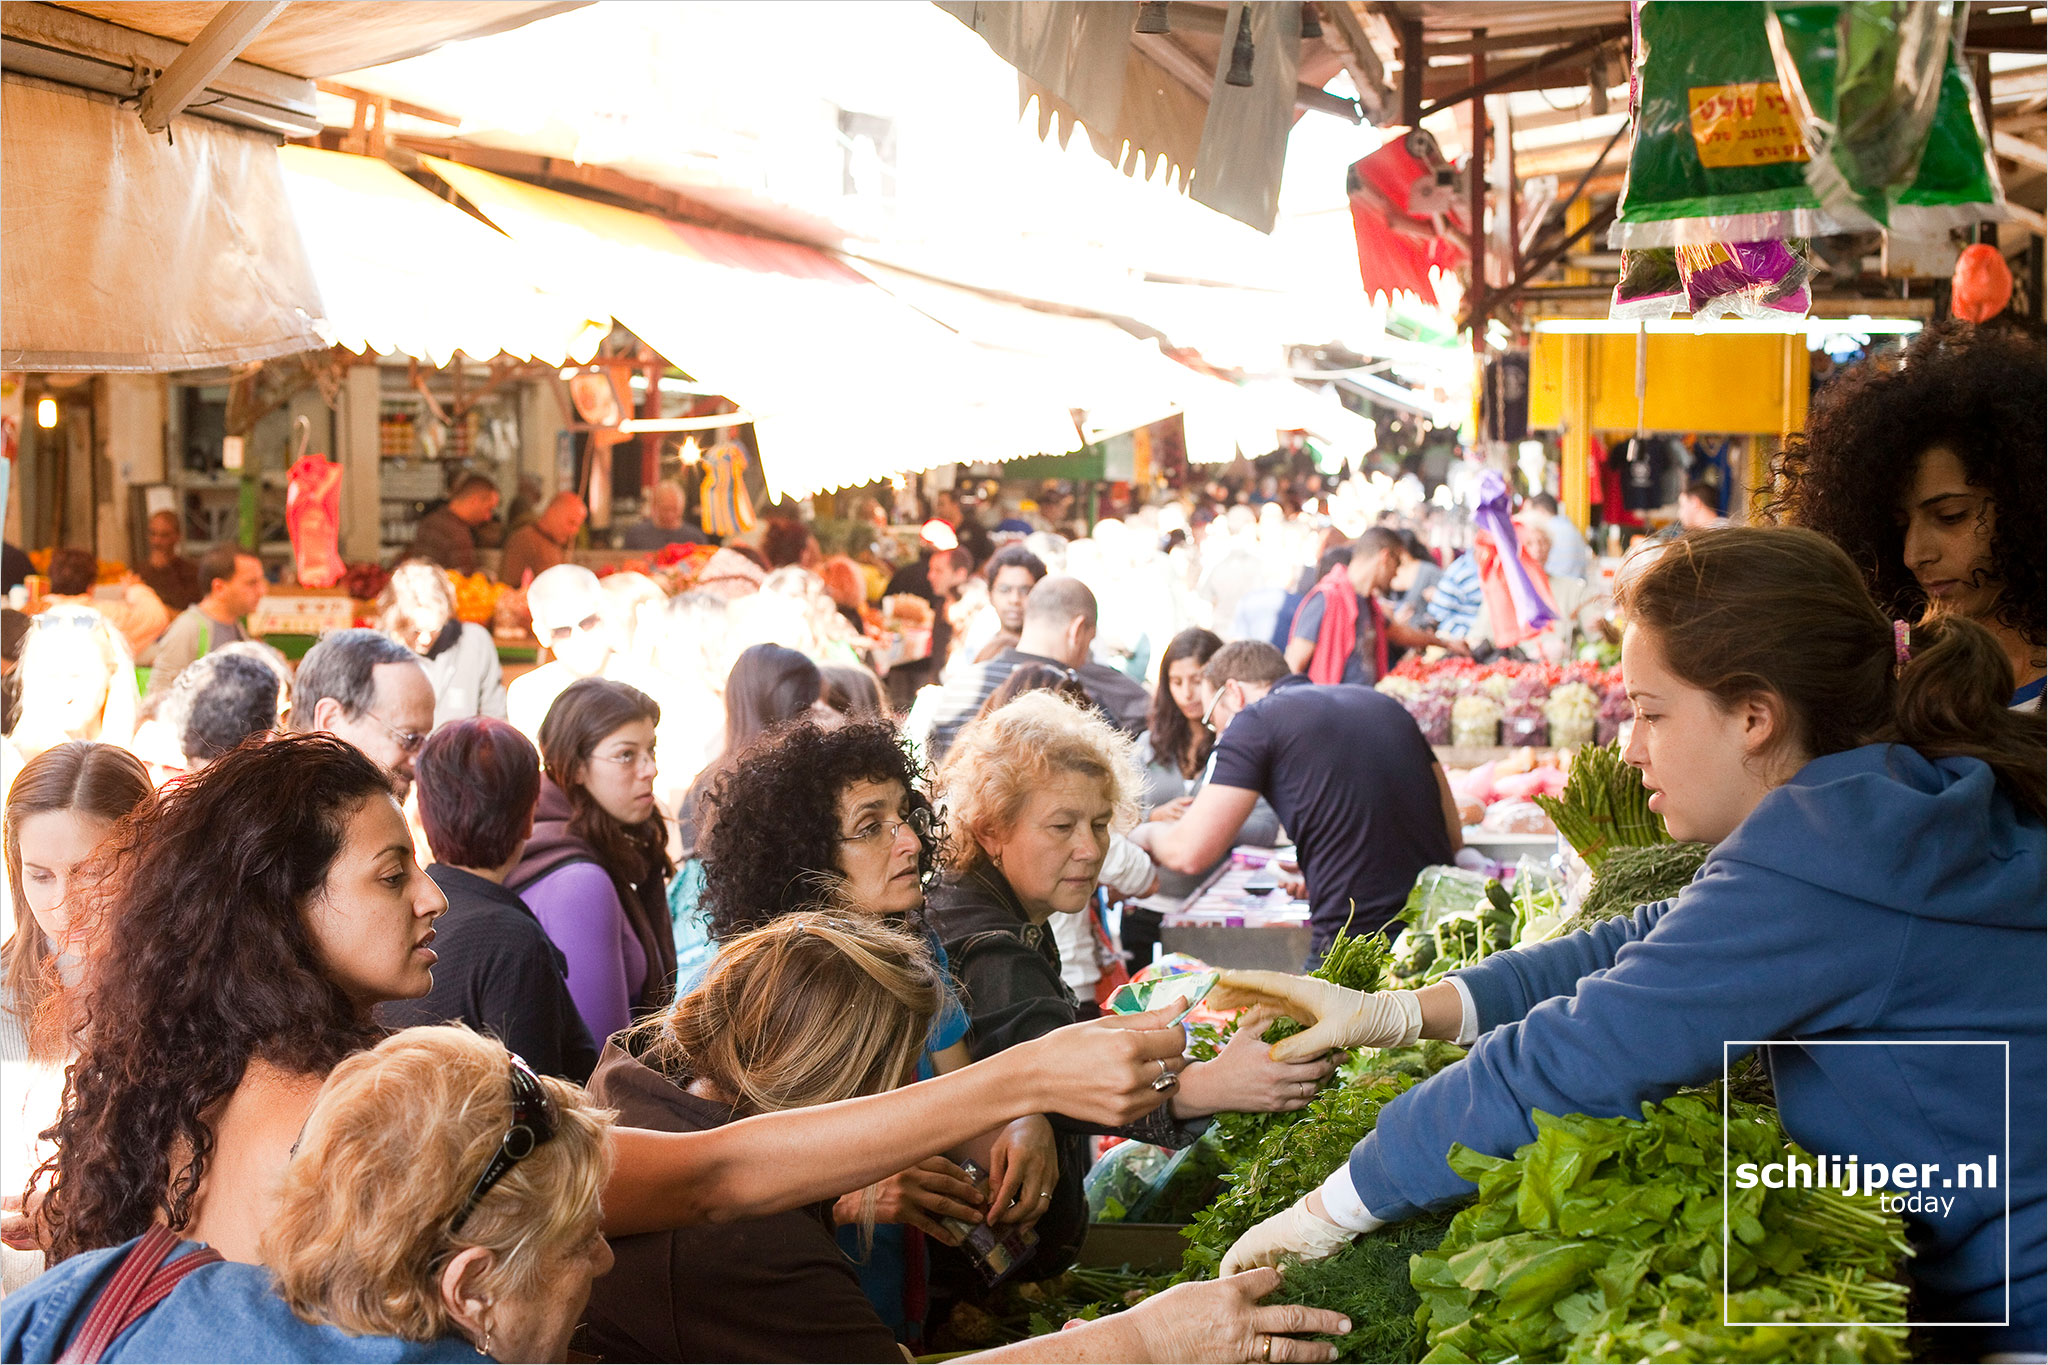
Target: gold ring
{"x":1266,"y":1348}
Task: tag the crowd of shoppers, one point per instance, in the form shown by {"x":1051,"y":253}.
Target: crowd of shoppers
{"x":662,"y":1003}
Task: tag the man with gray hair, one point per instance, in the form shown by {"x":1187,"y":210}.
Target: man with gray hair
{"x":364,"y":687}
{"x":663,"y":525}
{"x":567,"y":605}
{"x":1059,"y":628}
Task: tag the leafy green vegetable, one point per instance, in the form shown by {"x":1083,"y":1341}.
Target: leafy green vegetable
{"x":1604,"y":806}
{"x":1638,"y":876}
{"x":1291,"y":1158}
{"x":1368,"y":1283}
{"x":1602,"y":1240}
{"x":1355,"y":963}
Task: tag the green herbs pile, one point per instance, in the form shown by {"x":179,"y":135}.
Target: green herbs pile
{"x":1604,"y":806}
{"x":1602,"y":1240}
{"x":1368,"y":1282}
{"x":1638,"y":876}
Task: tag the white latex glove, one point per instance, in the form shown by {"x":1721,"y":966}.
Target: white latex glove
{"x":1294,"y":1231}
{"x":1337,"y":1018}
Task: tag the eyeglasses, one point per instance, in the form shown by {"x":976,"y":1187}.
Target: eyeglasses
{"x":533,"y":1123}
{"x":919,"y":820}
{"x":560,"y":633}
{"x":408,"y":741}
{"x":1209,"y":712}
{"x":631,"y":758}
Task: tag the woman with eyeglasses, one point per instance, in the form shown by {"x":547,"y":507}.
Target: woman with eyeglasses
{"x":443,"y":1206}
{"x":811,"y":1009}
{"x":810,"y":817}
{"x":245,"y":934}
{"x":595,"y":872}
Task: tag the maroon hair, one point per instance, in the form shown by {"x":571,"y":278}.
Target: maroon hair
{"x":784,"y":540}
{"x":479,"y":780}
{"x":204,"y":963}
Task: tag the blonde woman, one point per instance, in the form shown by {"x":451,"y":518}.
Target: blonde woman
{"x":443,"y":1203}
{"x":811,"y":1009}
{"x":77,"y":682}
{"x":1034,"y":791}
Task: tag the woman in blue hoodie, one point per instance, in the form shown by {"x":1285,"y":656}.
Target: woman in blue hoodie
{"x":1877,"y":878}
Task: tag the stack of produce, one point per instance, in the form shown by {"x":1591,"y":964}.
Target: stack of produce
{"x":1458,"y":702}
{"x":1629,"y":877}
{"x":1604,"y":806}
{"x":476,"y":597}
{"x":1450,"y":928}
{"x":1603,"y":1240}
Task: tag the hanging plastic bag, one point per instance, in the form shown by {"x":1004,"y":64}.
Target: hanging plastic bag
{"x":1982,"y":284}
{"x":1650,"y":285}
{"x":1720,"y":151}
{"x":1755,"y":280}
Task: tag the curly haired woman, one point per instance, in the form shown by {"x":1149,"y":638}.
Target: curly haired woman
{"x":808,"y":816}
{"x":1925,"y":466}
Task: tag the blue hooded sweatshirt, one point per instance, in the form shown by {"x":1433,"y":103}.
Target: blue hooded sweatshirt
{"x":1876,"y":898}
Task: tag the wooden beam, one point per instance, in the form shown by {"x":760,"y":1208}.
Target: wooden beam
{"x":2015,"y":148}
{"x":2030,"y":219}
{"x":1345,"y":33}
{"x":229,"y":31}
{"x":418,"y":111}
{"x":1508,"y":44}
{"x":1552,"y":64}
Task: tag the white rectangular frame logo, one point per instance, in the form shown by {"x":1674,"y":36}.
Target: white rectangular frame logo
{"x":1726,"y":1044}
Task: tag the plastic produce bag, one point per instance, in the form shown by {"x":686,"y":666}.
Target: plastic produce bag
{"x":1720,"y":153}
{"x":1650,"y":285}
{"x":1756,"y":280}
{"x":1867,"y":81}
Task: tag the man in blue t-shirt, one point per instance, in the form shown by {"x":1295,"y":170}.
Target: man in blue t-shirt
{"x":1352,"y":778}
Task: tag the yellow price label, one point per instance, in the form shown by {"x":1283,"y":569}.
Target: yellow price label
{"x":1744,"y":125}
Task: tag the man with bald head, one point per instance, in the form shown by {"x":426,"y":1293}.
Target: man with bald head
{"x":1059,"y":629}
{"x":567,"y":604}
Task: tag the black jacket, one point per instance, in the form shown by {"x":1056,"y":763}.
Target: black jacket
{"x":1008,"y":971}
{"x":500,"y":974}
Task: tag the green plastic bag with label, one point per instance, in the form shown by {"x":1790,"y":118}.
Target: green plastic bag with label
{"x":1721,"y":151}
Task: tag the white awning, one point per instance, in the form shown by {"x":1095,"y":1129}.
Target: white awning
{"x":122,"y":251}
{"x":403,"y":272}
{"x":846,"y":384}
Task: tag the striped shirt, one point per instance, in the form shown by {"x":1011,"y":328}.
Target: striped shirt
{"x":1457,"y":602}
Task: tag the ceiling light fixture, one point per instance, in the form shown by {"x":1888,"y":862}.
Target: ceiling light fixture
{"x":1311,"y":25}
{"x":1152,"y":17}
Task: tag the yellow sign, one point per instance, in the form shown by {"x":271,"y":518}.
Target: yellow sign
{"x":1744,"y":125}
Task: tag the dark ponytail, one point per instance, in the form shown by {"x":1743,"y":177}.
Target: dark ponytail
{"x":1952,"y":701}
{"x":1782,"y":611}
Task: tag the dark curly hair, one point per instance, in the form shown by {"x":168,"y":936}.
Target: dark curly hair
{"x":202,"y":962}
{"x":771,"y":847}
{"x":1975,"y":390}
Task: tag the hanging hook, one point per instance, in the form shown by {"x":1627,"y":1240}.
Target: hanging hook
{"x":302,"y":436}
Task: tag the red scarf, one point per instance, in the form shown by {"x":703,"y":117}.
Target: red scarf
{"x":1337,"y":637}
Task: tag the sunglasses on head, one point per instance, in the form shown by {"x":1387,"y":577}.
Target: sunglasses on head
{"x":533,"y":1123}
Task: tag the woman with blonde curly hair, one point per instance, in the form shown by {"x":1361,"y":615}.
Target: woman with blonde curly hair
{"x":1033,"y":791}
{"x":443,"y":1203}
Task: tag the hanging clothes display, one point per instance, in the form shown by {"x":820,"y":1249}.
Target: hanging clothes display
{"x":727,"y":510}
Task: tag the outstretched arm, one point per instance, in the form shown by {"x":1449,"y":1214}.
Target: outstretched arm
{"x":1101,"y":1070}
